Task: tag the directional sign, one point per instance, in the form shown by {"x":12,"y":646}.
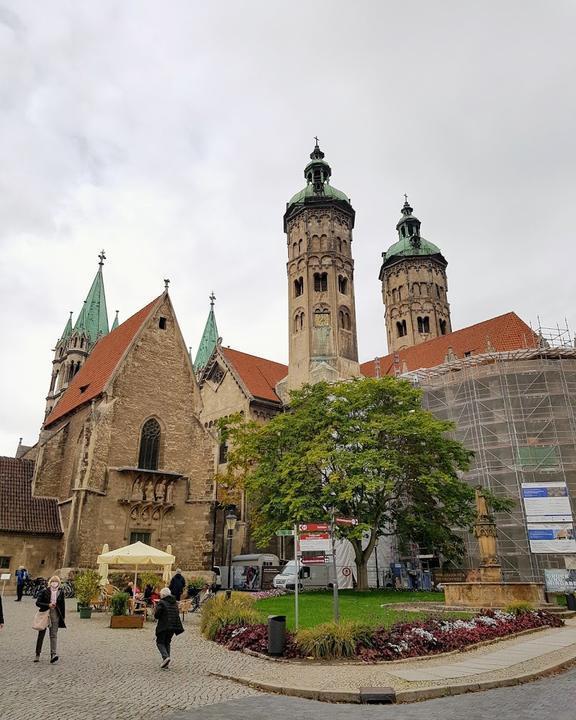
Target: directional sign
{"x":313,"y":558}
{"x":315,"y":541}
{"x":284,"y":533}
{"x":314,"y":527}
{"x":346,"y":521}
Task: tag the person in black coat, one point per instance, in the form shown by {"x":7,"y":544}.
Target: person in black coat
{"x":52,"y":600}
{"x":168,"y":624}
{"x":177,"y":584}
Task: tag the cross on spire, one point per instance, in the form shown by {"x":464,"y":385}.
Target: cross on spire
{"x":212,"y":298}
{"x":166,"y":284}
{"x":316,"y":138}
{"x":102,"y":257}
{"x":405,"y":197}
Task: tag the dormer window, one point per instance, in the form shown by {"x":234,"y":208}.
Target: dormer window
{"x":162,"y":323}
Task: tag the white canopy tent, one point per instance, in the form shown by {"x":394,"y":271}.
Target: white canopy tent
{"x":136,"y":555}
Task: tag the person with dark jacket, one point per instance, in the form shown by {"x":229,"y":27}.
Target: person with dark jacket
{"x":21,"y":577}
{"x":177,"y":584}
{"x":51,"y":599}
{"x":168,"y":625}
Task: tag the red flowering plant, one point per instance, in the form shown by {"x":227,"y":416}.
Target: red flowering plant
{"x":437,"y":635}
{"x":404,"y":640}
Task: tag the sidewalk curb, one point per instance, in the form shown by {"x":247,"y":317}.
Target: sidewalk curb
{"x":402,"y":696}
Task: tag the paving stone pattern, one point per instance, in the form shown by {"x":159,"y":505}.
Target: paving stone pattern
{"x":115,"y":674}
{"x":104,"y":673}
{"x":548,"y":699}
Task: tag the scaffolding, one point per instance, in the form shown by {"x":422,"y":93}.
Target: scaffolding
{"x":516,"y":411}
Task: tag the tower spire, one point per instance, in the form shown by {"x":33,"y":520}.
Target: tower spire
{"x":93,"y":318}
{"x":209,"y":338}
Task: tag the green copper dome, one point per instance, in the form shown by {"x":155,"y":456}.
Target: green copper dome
{"x":317,"y":173}
{"x":410,"y":247}
{"x":410,"y":243}
{"x":308,"y":192}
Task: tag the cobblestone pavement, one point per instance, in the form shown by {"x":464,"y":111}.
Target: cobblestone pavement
{"x":115,"y":674}
{"x":551,"y":698}
{"x":104,"y":673}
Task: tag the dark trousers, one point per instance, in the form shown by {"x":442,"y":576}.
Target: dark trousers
{"x":53,"y":630}
{"x":163,"y":640}
{"x":19,"y":591}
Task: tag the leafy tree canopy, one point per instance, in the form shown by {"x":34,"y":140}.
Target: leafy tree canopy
{"x":369,"y":450}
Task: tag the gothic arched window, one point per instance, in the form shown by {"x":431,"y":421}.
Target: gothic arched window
{"x":298,"y":286}
{"x":149,"y":445}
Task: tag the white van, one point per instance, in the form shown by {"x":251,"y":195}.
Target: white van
{"x":247,"y":571}
{"x":312,"y":577}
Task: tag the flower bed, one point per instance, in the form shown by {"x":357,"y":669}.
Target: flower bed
{"x":405,"y":640}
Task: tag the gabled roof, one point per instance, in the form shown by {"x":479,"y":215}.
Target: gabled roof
{"x":20,"y":511}
{"x":259,"y":375}
{"x":93,"y":318}
{"x":100,"y":365}
{"x":208,"y":342}
{"x":499,"y":334}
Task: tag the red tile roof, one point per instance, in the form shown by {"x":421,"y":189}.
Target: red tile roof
{"x":505,"y":332}
{"x":100,"y":365}
{"x":20,"y":511}
{"x":258,"y":374}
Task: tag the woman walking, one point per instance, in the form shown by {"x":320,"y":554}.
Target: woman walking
{"x":168,"y":625}
{"x":51,"y":599}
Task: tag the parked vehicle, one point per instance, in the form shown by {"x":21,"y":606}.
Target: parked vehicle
{"x":247,"y":571}
{"x":311,"y":577}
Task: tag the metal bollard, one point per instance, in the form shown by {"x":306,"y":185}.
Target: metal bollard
{"x":276,"y":634}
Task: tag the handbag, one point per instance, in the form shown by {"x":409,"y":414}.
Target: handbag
{"x":41,"y":620}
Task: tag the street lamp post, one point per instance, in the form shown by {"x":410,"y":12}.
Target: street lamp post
{"x":231,"y":521}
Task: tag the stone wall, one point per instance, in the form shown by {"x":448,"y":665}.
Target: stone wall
{"x":39,"y":554}
{"x":80,"y":458}
{"x":413,"y":288}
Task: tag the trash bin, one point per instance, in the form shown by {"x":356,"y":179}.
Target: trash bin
{"x":276,"y":634}
{"x":570,"y":601}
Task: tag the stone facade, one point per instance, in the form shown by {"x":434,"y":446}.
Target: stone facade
{"x":414,"y":287}
{"x":321,"y":309}
{"x":89,"y":459}
{"x":414,"y":292}
{"x":38,"y":554}
{"x":226,"y":390}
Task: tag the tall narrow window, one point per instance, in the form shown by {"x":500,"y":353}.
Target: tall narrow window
{"x":298,"y":286}
{"x":442,"y":324}
{"x":320,"y":282}
{"x":149,"y":445}
{"x":401,"y":328}
{"x":223,"y":453}
{"x":342,"y":285}
{"x":423,"y":325}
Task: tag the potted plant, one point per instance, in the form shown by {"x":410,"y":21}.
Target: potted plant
{"x":119,"y":619}
{"x":86,"y":587}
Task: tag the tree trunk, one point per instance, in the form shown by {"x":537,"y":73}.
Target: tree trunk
{"x":362,"y":578}
{"x":362,"y":557}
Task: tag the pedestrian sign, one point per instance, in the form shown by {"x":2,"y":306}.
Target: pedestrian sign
{"x":284,"y":533}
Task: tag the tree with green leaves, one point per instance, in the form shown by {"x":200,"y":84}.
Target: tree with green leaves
{"x":365,"y":449}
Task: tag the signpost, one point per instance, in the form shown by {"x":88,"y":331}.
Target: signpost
{"x":4,"y":577}
{"x":313,"y":544}
{"x":296,"y":554}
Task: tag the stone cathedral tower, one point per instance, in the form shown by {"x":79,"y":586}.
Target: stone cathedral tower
{"x":414,"y":287}
{"x":322,"y":318}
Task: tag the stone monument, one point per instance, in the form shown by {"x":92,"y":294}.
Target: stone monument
{"x":490,"y":590}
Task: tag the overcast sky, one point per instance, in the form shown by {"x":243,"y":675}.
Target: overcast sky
{"x":172,"y":133}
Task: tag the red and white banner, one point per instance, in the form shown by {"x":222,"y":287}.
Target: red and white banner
{"x":346,"y":521}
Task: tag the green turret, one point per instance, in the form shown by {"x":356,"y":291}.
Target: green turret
{"x":93,"y":319}
{"x":209,"y":339}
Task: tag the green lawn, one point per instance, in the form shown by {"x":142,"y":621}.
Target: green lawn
{"x":316,"y":607}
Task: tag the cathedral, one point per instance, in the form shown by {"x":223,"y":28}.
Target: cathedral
{"x":129,"y":448}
